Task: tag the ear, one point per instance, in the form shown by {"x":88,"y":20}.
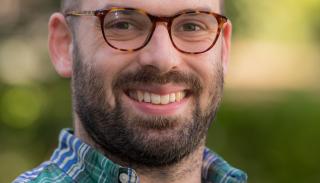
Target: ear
{"x":60,"y":45}
{"x":226,"y":45}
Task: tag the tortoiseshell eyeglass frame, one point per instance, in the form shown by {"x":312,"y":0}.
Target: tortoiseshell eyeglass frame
{"x":101,"y":14}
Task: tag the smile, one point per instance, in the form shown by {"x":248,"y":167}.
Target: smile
{"x":157,"y":99}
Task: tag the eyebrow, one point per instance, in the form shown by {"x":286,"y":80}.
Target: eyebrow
{"x":206,"y":8}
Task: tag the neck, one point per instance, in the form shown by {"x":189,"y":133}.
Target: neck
{"x":188,"y":170}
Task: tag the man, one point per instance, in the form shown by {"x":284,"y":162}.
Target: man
{"x":147,"y":79}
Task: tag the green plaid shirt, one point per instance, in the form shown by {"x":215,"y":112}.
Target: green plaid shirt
{"x":75,"y":161}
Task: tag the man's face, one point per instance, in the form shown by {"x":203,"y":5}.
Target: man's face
{"x":150,"y":107}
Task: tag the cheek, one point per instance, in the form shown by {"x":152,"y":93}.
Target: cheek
{"x":107,"y":68}
{"x":212,"y":90}
{"x":210,"y":71}
{"x":206,"y":65}
{"x":109,"y":64}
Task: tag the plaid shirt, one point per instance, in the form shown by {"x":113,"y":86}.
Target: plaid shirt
{"x":75,"y":161}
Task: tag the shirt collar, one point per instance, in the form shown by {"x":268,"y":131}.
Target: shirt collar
{"x":80,"y":161}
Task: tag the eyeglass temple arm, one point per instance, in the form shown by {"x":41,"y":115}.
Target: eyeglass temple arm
{"x":80,"y":13}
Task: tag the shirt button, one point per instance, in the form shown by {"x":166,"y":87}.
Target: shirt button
{"x":124,"y":178}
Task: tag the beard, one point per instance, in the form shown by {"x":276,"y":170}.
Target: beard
{"x":145,"y":141}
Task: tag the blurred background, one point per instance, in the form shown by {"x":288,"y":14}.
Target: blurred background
{"x":269,"y":121}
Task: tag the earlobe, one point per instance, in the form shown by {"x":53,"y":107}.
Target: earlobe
{"x":226,"y":45}
{"x":60,"y":45}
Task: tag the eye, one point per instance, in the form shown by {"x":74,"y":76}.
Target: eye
{"x":120,"y":25}
{"x":190,"y":27}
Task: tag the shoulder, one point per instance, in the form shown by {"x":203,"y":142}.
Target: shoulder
{"x":46,"y":172}
{"x":216,"y":169}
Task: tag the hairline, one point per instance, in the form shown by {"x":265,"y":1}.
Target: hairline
{"x":70,"y":5}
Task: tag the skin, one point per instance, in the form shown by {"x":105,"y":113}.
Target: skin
{"x":160,"y":54}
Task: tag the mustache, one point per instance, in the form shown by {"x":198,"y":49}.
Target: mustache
{"x":151,"y":75}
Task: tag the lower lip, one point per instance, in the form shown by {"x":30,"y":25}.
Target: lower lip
{"x":159,"y":110}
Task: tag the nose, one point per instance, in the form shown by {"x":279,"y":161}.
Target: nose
{"x":160,"y":52}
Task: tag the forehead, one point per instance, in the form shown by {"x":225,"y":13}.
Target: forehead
{"x":157,"y":7}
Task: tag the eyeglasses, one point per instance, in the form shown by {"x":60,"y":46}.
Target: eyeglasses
{"x":128,"y":29}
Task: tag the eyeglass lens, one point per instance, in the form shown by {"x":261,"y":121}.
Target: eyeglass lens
{"x":130,"y":29}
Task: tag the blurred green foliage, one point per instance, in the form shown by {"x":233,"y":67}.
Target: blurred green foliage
{"x":270,"y":134}
{"x":275,"y":139}
{"x":284,"y":20}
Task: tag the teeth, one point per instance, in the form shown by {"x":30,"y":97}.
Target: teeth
{"x":165,"y":99}
{"x":140,"y":96}
{"x":178,"y":96}
{"x":146,"y":97}
{"x":182,"y":95}
{"x":172,"y":97}
{"x":156,"y":98}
